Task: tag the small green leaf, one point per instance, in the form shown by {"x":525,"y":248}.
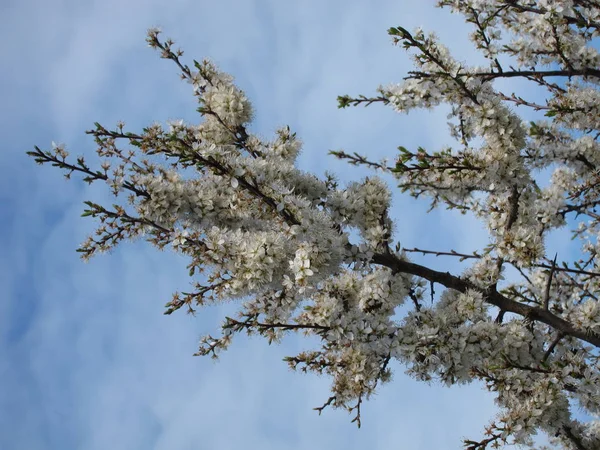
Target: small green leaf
{"x":343,"y":101}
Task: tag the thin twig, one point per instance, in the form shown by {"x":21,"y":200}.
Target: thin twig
{"x":546,"y":301}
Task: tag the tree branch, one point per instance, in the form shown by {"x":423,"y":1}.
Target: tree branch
{"x":490,"y":295}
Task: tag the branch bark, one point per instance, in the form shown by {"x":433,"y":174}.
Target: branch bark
{"x":490,"y":295}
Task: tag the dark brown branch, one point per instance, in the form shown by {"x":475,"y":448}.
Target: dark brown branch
{"x":552,"y":346}
{"x":546,"y":300}
{"x":490,"y":295}
{"x":42,"y":157}
{"x":357,"y":159}
{"x":570,"y":20}
{"x":357,"y":408}
{"x":286,"y":326}
{"x":522,"y":102}
{"x":576,"y":440}
{"x":474,"y":255}
{"x":585,"y":72}
{"x":329,"y":401}
{"x":529,"y":74}
{"x":481,"y":445}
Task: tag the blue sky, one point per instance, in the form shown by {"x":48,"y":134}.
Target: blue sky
{"x":87,"y":359}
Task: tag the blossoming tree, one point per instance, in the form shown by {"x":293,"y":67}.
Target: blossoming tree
{"x":261,"y":230}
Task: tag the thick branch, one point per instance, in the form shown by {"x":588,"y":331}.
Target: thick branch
{"x":491,"y":295}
